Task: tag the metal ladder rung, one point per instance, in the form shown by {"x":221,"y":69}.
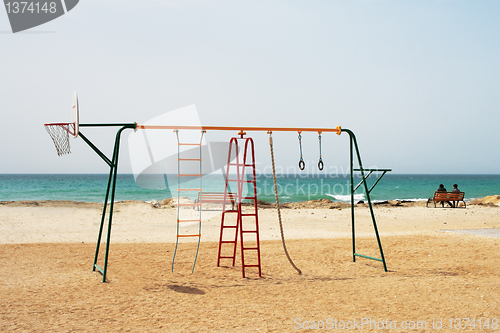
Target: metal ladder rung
{"x":250,"y":265}
{"x":230,"y":226}
{"x":180,"y":221}
{"x":249,"y":214}
{"x":198,"y":235}
{"x":250,"y":248}
{"x":189,"y":144}
{"x":188,"y":189}
{"x":226,"y":257}
{"x":189,"y":175}
{"x":189,"y":159}
{"x":248,"y":231}
{"x":189,"y":205}
{"x":228,"y":242}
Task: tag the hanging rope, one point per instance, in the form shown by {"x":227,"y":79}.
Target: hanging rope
{"x":302,"y":164}
{"x":278,"y":202}
{"x":320,"y":163}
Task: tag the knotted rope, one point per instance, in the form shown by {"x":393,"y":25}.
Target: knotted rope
{"x":278,"y":204}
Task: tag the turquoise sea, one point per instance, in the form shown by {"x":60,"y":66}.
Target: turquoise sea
{"x":292,"y":188}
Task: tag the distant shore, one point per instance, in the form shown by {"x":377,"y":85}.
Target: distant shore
{"x":493,"y":200}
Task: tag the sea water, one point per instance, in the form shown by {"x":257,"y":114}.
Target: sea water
{"x":291,"y":188}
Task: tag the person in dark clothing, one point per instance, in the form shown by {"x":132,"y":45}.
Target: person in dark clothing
{"x":455,"y":189}
{"x":443,"y":189}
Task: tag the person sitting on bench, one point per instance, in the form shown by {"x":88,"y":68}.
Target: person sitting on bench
{"x":443,"y":189}
{"x":455,"y":189}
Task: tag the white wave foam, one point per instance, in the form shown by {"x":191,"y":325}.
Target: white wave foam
{"x":347,"y":197}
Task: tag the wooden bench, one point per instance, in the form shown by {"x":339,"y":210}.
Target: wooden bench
{"x":215,"y":198}
{"x":441,"y":196}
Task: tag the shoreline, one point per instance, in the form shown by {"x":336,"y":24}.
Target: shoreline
{"x":491,"y":200}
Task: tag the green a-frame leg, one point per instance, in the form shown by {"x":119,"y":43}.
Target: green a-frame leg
{"x":113,"y":171}
{"x":354,"y":146}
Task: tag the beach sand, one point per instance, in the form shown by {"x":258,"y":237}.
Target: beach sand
{"x":47,"y":282}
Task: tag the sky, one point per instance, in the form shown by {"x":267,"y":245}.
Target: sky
{"x":416,"y":81}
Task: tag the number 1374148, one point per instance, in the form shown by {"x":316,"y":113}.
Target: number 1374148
{"x":31,"y":7}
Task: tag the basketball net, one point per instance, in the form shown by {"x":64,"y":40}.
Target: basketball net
{"x":59,"y":133}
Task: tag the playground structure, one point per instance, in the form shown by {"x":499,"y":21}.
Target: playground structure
{"x":60,"y":133}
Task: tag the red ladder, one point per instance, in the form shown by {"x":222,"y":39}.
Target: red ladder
{"x":246,"y":229}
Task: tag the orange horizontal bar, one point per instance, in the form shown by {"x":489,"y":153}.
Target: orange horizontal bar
{"x":188,"y":189}
{"x":189,"y":159}
{"x":188,"y":175}
{"x":191,"y":205}
{"x":180,"y":221}
{"x":243,"y":128}
{"x":199,"y":235}
{"x":189,"y":144}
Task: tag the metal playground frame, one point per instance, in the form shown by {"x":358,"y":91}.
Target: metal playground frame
{"x":74,"y":129}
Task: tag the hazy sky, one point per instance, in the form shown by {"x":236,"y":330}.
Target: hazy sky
{"x":417,"y":81}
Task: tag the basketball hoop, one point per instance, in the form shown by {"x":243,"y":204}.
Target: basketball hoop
{"x":59,"y":132}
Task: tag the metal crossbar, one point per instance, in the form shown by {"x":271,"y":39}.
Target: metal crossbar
{"x":384,"y":171}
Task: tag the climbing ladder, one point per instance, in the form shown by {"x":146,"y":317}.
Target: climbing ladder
{"x":250,"y":249}
{"x":188,"y":227}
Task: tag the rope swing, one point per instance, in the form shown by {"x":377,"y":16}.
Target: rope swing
{"x":278,"y":202}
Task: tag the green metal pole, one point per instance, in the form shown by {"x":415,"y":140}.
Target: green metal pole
{"x":353,"y":137}
{"x":352,"y":200}
{"x":113,"y":168}
{"x":101,"y":155}
{"x":111,"y":204}
{"x":379,"y":178}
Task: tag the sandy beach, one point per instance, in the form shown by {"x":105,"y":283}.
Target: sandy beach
{"x":437,"y":271}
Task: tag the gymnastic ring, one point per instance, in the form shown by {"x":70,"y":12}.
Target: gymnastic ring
{"x":320,"y":165}
{"x":302,"y":165}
